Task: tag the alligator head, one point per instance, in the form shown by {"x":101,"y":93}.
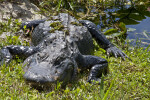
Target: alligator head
{"x":51,"y":65}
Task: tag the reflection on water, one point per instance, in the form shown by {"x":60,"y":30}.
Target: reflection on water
{"x":141,"y":32}
{"x":136,"y":18}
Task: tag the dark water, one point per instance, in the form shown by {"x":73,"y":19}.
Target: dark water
{"x":140,"y":32}
{"x":137,"y":20}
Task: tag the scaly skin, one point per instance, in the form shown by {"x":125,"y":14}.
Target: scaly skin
{"x":57,"y":56}
{"x":103,"y":41}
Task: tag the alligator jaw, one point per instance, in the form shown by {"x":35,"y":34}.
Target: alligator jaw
{"x":45,"y":75}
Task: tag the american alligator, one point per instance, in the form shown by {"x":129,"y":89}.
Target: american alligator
{"x":60,"y":46}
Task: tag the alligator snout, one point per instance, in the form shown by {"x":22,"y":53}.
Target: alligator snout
{"x":38,"y":75}
{"x":45,"y":73}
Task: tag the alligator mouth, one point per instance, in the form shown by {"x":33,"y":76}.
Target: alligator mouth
{"x":46,"y":86}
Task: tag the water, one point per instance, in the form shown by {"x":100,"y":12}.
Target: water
{"x":137,"y":20}
{"x":140,"y":32}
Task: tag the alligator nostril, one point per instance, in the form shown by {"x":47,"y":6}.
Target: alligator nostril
{"x":55,"y":71}
{"x":36,"y":74}
{"x":34,"y":78}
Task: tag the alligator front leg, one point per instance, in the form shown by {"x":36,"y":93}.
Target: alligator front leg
{"x":6,"y":53}
{"x":97,"y":66}
{"x":102,"y":40}
{"x":32,"y":24}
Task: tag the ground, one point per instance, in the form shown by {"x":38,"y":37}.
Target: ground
{"x":126,"y":79}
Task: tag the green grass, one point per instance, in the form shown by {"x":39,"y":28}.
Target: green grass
{"x":131,"y":78}
{"x":125,"y":80}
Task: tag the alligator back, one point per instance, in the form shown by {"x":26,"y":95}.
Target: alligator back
{"x":69,"y":27}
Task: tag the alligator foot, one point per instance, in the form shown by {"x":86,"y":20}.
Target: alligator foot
{"x":8,"y":52}
{"x":96,"y":72}
{"x":97,"y":66}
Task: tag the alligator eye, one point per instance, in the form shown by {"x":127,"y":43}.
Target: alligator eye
{"x":56,"y":62}
{"x":70,"y":67}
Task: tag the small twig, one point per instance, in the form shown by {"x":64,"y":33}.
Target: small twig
{"x":87,"y":13}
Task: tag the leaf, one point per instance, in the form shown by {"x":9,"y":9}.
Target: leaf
{"x":123,"y":28}
{"x":115,"y":35}
{"x":24,"y":27}
{"x":137,"y":16}
{"x":71,"y":5}
{"x":145,"y":34}
{"x":129,"y":21}
{"x":9,"y":21}
{"x":59,"y":4}
{"x":146,"y":13}
{"x":111,"y":31}
{"x":102,"y":87}
{"x":15,"y":37}
{"x":106,"y":95}
{"x":131,"y":29}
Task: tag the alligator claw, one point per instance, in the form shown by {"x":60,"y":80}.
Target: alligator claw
{"x":5,"y":56}
{"x":116,"y":52}
{"x":94,"y":81}
{"x":1,"y":60}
